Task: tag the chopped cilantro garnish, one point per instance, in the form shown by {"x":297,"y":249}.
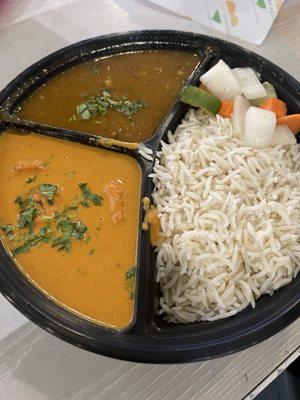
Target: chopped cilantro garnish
{"x":131,"y":273}
{"x":79,"y":230}
{"x":65,"y":225}
{"x":129,"y":107}
{"x":33,"y":239}
{"x":88,"y":239}
{"x":73,"y":118}
{"x":63,"y":242}
{"x":94,"y":69}
{"x":22,"y":249}
{"x":91,"y":252}
{"x":85,"y":203}
{"x":48,"y":190}
{"x":130,"y":281}
{"x":60,"y":227}
{"x":9,"y":231}
{"x":19,"y":200}
{"x":70,"y":174}
{"x":30,"y":179}
{"x":69,"y":230}
{"x":27,"y":214}
{"x":99,"y":105}
{"x":88,"y":196}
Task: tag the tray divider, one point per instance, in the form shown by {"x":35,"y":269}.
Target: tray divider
{"x":147,"y":289}
{"x":26,"y":127}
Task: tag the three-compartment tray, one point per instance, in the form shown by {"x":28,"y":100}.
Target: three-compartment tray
{"x":148,"y":338}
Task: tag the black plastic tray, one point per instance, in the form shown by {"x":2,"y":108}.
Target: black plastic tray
{"x":148,"y":338}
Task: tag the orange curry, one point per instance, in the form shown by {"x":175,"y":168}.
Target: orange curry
{"x":66,"y":211}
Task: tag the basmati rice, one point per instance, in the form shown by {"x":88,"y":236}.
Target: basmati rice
{"x":230,"y":216}
{"x":145,"y":152}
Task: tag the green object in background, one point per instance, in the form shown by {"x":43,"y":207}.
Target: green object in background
{"x":262,"y":4}
{"x":216,"y":17}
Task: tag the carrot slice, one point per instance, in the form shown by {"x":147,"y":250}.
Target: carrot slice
{"x":226,"y":109}
{"x":292,"y":121}
{"x":275,"y":105}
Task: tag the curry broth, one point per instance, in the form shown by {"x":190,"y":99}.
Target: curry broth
{"x":91,"y":279}
{"x":154,"y":77}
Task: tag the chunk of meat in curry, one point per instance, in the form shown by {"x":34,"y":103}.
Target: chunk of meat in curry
{"x":116,"y":194}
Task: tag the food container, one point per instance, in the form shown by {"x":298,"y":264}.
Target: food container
{"x":148,"y":338}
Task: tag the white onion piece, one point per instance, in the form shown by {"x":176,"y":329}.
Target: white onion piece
{"x":259,"y":127}
{"x":221,"y":82}
{"x":270,"y":92}
{"x":283,"y":136}
{"x":249,"y":83}
{"x":240,"y":107}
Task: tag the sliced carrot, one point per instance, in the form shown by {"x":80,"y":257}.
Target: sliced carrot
{"x":292,"y":121}
{"x":226,"y":109}
{"x":203,"y":87}
{"x":275,"y":105}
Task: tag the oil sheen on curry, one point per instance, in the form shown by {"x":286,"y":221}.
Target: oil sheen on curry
{"x":124,"y":97}
{"x":66,"y":212}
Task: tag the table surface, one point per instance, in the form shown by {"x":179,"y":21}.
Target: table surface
{"x":35,"y":365}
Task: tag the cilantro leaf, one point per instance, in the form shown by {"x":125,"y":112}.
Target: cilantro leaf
{"x":63,"y":242}
{"x":22,"y":249}
{"x":19,"y":200}
{"x":26,"y":217}
{"x":65,"y":229}
{"x":130,"y":281}
{"x":9,"y":231}
{"x":88,"y":196}
{"x":130,"y":273}
{"x":65,"y":225}
{"x":85,"y":203}
{"x":30,"y":179}
{"x":99,"y":105}
{"x":69,"y":230}
{"x":33,"y":239}
{"x":94,"y":69}
{"x":79,"y":230}
{"x":48,"y":190}
{"x":70,"y":174}
{"x":129,"y":107}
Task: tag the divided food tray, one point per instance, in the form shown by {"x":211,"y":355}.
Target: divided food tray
{"x":148,"y":338}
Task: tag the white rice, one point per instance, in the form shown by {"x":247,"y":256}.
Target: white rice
{"x":230,"y":216}
{"x":145,"y":151}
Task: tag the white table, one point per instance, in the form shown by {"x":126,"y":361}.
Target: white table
{"x":37,"y":366}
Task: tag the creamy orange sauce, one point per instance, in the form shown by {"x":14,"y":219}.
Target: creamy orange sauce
{"x":154,"y":77}
{"x":90,"y":280}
